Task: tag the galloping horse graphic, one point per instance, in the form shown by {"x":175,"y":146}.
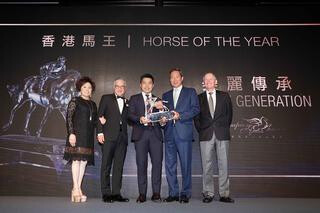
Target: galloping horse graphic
{"x":256,"y":125}
{"x":55,"y":94}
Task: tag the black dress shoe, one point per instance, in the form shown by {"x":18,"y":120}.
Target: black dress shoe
{"x":156,"y":198}
{"x":107,"y":199}
{"x":207,"y":199}
{"x":141,"y":199}
{"x":171,"y":199}
{"x":119,"y":198}
{"x":226,"y":200}
{"x":184,"y":199}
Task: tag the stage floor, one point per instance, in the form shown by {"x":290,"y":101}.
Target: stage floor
{"x":15,"y":204}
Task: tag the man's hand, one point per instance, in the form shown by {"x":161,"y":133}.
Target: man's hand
{"x":102,"y":120}
{"x":72,"y":139}
{"x":101,"y":138}
{"x":143,"y":120}
{"x":163,"y":121}
{"x":176,"y":115}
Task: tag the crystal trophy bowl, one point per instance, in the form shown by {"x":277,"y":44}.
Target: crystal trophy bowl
{"x":157,"y":116}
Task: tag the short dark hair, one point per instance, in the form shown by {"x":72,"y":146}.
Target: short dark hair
{"x":176,"y":69}
{"x":85,"y":79}
{"x":146,"y":75}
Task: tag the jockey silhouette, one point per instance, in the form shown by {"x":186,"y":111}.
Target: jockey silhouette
{"x":51,"y":70}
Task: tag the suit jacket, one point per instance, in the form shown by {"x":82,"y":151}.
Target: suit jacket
{"x":221,"y":121}
{"x":188,"y":107}
{"x":136,"y":110}
{"x":108,"y":107}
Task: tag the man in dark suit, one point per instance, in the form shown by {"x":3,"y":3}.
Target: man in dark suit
{"x":147,"y":138}
{"x":213,"y":124}
{"x":178,"y":135}
{"x":113,"y":137}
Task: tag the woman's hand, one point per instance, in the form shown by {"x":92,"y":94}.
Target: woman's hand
{"x":72,"y":139}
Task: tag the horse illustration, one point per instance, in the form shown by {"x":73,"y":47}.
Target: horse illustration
{"x":256,"y":125}
{"x":55,"y":94}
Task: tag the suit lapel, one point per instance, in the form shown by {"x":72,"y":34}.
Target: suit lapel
{"x":116,"y":103}
{"x":218,"y":103}
{"x":170,"y":100}
{"x":125,"y":108}
{"x":141,"y":104}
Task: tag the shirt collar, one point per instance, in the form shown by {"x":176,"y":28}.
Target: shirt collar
{"x":145,"y":94}
{"x":178,"y":88}
{"x":118,"y":96}
{"x":213,"y":92}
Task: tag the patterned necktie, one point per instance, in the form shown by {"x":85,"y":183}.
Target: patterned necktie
{"x":148,"y":110}
{"x":148,"y":103}
{"x":211,"y":104}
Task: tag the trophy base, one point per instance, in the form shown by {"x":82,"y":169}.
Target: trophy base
{"x":157,"y":116}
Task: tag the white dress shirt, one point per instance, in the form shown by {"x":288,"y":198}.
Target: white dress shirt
{"x":120,"y":103}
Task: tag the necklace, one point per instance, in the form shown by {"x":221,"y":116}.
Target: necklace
{"x":90,"y":108}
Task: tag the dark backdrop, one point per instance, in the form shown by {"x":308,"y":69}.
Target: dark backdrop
{"x":275,"y":130}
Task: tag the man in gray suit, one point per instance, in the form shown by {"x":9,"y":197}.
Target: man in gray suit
{"x":213,"y":124}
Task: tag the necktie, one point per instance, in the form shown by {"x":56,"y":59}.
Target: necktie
{"x":175,"y":98}
{"x":211,"y":104}
{"x":148,"y":107}
{"x":148,"y":102}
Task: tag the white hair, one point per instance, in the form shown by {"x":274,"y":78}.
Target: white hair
{"x":209,"y":73}
{"x":117,"y":79}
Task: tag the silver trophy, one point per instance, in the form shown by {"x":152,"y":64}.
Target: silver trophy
{"x":157,"y":116}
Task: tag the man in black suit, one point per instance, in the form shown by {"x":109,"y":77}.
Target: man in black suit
{"x":213,"y":124}
{"x":113,"y":137}
{"x":147,"y":138}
